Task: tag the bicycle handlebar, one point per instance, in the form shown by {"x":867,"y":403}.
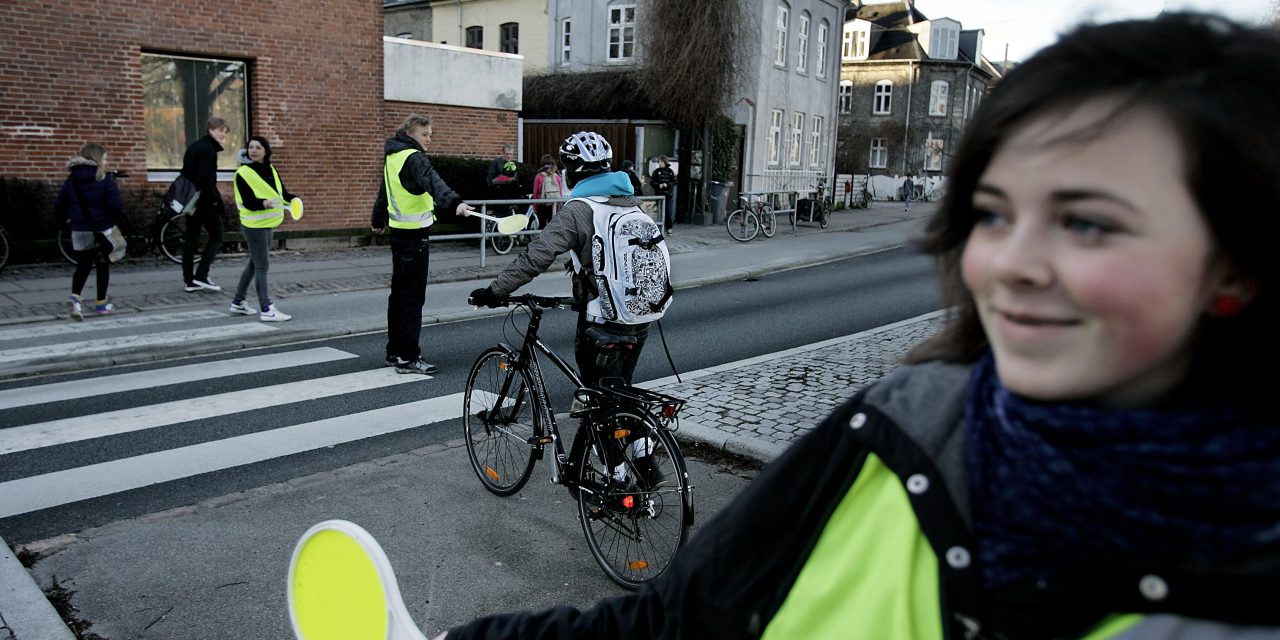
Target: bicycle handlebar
{"x":540,"y":302}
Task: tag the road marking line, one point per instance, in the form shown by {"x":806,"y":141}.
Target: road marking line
{"x":124,"y":382}
{"x":103,"y":324}
{"x":82,"y":483}
{"x":55,"y":432}
{"x":126,"y":343}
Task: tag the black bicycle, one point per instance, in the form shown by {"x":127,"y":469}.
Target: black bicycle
{"x":632,"y":488}
{"x":162,"y":236}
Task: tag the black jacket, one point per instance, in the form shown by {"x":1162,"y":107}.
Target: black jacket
{"x":418,"y":177}
{"x":732,"y":578}
{"x":635,"y":182}
{"x":200,"y":166}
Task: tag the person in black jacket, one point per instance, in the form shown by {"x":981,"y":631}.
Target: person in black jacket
{"x":90,"y":199}
{"x":411,"y":192}
{"x":664,"y":184}
{"x":200,"y":166}
{"x":629,"y":168}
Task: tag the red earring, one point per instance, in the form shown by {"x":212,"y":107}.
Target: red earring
{"x":1227,"y":305}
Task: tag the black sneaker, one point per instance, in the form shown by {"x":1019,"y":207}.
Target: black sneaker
{"x":392,"y":361}
{"x":419,"y":366}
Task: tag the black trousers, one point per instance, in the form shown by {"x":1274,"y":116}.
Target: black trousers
{"x":595,"y":365}
{"x":209,"y":218}
{"x":88,"y":259}
{"x":410,"y":257}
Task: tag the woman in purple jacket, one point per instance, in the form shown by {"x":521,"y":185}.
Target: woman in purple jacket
{"x":90,"y":199}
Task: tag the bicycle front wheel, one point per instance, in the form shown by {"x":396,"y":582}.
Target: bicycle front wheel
{"x":824,"y":216}
{"x":170,"y":238}
{"x":500,"y":421}
{"x":742,"y":225}
{"x":768,"y":222}
{"x":64,"y":244}
{"x":633,"y":499}
{"x":4,"y":247}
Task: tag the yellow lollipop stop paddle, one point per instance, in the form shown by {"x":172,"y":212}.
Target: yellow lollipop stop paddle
{"x":295,"y":208}
{"x":341,"y":587}
{"x":508,"y":225}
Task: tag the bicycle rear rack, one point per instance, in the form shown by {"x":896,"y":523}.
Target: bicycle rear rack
{"x":664,"y":408}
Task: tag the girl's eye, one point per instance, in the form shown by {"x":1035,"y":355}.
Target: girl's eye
{"x":987,"y":217}
{"x":1087,"y":227}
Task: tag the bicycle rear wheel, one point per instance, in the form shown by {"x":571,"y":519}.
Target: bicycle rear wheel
{"x":768,"y":222}
{"x":501,"y":244}
{"x":4,"y":247}
{"x":500,"y":421}
{"x":632,"y":499}
{"x":170,"y":237}
{"x":742,"y":225}
{"x":824,"y":216}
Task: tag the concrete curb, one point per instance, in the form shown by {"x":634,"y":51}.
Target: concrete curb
{"x":27,"y":613}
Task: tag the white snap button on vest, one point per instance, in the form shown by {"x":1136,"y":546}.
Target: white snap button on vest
{"x":958,"y":557}
{"x":917,"y":484}
{"x":1153,"y":588}
{"x":858,"y":420}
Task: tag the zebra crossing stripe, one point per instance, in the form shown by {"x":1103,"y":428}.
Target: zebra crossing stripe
{"x":127,"y":343}
{"x":56,"y":432}
{"x":82,"y":483}
{"x":125,"y":382}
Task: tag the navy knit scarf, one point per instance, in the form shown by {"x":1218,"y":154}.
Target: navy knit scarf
{"x":1058,"y":486}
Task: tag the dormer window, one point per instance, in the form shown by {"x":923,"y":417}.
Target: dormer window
{"x":944,"y":42}
{"x":856,"y":37}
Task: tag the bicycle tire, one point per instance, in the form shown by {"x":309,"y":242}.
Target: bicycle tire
{"x":500,"y":447}
{"x":742,"y":225}
{"x":636,"y":542}
{"x":824,"y":215}
{"x":501,"y":244}
{"x":4,"y":247}
{"x":171,"y":236}
{"x":768,"y":222}
{"x":64,"y":243}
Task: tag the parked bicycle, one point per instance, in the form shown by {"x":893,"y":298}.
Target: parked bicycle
{"x":753,"y":216}
{"x":162,"y":236}
{"x":817,"y":209}
{"x":633,"y":493}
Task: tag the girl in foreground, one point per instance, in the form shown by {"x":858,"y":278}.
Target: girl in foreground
{"x":1081,"y":452}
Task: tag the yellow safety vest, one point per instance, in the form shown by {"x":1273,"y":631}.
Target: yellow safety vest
{"x":406,"y":210}
{"x":266,"y":218}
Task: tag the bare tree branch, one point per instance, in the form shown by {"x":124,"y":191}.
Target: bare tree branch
{"x":695,"y":54}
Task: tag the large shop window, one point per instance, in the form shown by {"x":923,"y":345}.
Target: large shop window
{"x":180,"y":94}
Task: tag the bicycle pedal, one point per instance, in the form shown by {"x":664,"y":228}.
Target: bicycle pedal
{"x":539,"y":441}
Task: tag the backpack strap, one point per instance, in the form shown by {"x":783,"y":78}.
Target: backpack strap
{"x":590,"y":201}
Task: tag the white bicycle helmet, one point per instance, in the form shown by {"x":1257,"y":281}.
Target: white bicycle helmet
{"x":585,"y":153}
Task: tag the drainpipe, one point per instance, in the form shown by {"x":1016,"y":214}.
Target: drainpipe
{"x":462,"y":42}
{"x":911,"y":81}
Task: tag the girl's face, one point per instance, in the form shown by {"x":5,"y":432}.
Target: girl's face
{"x":1090,"y":263}
{"x":256,"y":152}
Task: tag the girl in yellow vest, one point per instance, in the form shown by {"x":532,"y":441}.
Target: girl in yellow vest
{"x":261,"y":198}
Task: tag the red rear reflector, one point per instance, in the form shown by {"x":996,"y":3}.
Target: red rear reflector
{"x":669,"y":411}
{"x":629,"y":501}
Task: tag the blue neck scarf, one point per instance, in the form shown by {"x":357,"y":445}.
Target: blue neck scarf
{"x":1059,"y":487}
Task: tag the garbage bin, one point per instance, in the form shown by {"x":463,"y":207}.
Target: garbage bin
{"x":718,"y":196}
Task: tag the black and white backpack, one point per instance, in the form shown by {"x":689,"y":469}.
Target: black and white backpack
{"x":631,"y":263}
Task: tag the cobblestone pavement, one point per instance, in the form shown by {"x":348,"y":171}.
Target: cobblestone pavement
{"x":775,"y":399}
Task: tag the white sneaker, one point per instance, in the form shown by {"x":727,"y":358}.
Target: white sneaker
{"x":272,"y":314}
{"x":241,"y":309}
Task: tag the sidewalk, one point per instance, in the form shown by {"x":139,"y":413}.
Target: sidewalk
{"x":753,"y":408}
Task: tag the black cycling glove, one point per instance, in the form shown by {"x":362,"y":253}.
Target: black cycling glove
{"x":484,"y":298}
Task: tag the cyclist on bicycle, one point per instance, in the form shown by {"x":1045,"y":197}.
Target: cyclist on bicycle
{"x":586,"y":157}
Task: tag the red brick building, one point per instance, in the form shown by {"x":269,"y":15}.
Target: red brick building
{"x":141,"y":76}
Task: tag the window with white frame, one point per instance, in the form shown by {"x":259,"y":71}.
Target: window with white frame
{"x":846,"y":96}
{"x":179,"y":95}
{"x":944,"y":43}
{"x":933,"y":153}
{"x":622,"y":32}
{"x":820,"y":59}
{"x":566,"y":27}
{"x":775,"y":136}
{"x":780,"y":36}
{"x":883,"y":101}
{"x":854,"y":44}
{"x":938,"y":98}
{"x":797,"y":138}
{"x":815,"y":142}
{"x":802,"y":44}
{"x":879,"y":154}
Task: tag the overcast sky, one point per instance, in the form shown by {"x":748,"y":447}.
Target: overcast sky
{"x":1028,"y":25}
